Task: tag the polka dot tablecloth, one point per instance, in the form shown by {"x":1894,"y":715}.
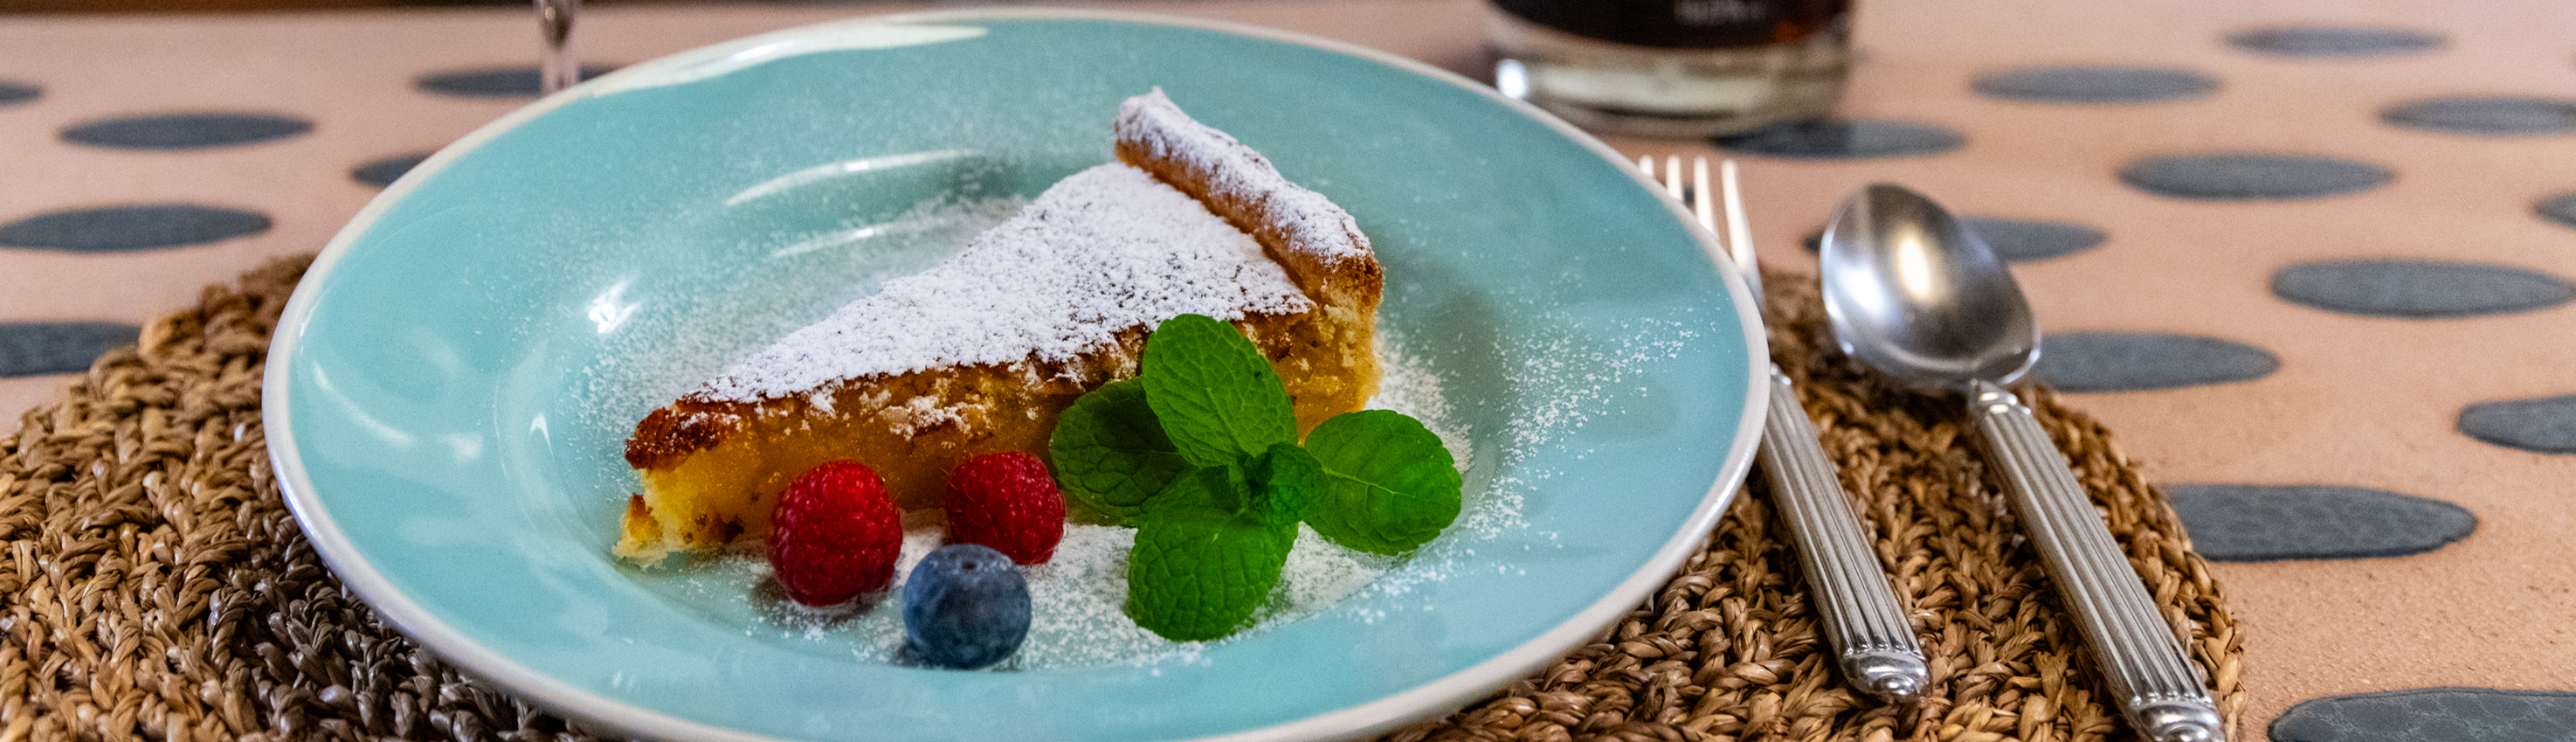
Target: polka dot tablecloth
{"x":2314,"y":260}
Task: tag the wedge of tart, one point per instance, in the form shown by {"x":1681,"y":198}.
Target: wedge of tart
{"x":982,"y":352}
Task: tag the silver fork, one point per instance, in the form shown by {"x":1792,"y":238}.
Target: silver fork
{"x":1869,"y":633}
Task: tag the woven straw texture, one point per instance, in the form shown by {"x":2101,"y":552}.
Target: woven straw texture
{"x":154,"y":585}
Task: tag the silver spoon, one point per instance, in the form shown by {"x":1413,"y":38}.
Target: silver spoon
{"x":1929,"y":306}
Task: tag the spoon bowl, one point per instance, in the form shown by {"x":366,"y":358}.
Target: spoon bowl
{"x":1928,"y":305}
{"x":1921,"y":299}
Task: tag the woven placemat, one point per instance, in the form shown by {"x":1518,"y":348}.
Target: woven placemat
{"x":1730,"y":649}
{"x":156,"y":587}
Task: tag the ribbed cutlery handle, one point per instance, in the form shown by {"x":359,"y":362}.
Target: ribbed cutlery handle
{"x":1861,"y":616}
{"x":2157,"y":687}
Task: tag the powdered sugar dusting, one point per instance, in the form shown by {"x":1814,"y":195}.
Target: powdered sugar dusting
{"x":1309,"y":223}
{"x":1078,"y":599}
{"x":1584,"y":377}
{"x":1106,"y":249}
{"x":1407,"y":384}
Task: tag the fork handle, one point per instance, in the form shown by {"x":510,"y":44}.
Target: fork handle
{"x":2155,"y":683}
{"x":1861,"y":617}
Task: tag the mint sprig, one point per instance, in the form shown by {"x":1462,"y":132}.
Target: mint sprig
{"x":1391,"y":485}
{"x":1285,"y":481}
{"x":1200,"y":454}
{"x":1205,"y":556}
{"x":1218,"y":405}
{"x":1111,"y":454}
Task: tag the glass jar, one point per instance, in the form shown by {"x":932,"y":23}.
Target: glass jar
{"x":1673,"y":68}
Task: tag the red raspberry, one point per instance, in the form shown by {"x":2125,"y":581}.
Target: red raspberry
{"x":1006,"y":501}
{"x":834,"y":535}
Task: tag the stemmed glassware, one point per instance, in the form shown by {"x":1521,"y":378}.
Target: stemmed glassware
{"x":557,"y":68}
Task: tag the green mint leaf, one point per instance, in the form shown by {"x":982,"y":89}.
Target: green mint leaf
{"x":1285,"y":481}
{"x":1218,"y":489}
{"x":1110,"y":452}
{"x":1198,"y":571}
{"x":1217,"y":396}
{"x":1390,"y":485}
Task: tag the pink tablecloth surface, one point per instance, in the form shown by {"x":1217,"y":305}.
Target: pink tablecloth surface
{"x":2355,"y":401}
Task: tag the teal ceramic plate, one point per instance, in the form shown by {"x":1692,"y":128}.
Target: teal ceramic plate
{"x":448,"y":396}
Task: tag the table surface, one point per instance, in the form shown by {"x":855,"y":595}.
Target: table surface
{"x":2313,"y":377}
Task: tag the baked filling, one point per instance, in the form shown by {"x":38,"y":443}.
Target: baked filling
{"x":982,"y":352}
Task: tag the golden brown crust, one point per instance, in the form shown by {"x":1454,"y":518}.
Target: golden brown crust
{"x":1353,"y":281}
{"x":1318,"y":243}
{"x":913,"y":428}
{"x":688,"y":425}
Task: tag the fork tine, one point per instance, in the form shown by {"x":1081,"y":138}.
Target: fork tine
{"x":1699,"y":194}
{"x":1739,"y":234}
{"x":1673,"y":176}
{"x":1694,"y":197}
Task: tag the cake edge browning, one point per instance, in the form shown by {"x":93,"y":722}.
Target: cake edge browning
{"x":1319,"y":243}
{"x":921,"y":423}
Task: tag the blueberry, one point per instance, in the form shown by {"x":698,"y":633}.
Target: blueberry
{"x":965,"y":606}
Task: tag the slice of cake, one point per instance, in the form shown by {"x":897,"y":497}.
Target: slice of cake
{"x":982,"y":352}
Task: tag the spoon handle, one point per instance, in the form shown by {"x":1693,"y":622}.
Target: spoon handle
{"x":2158,"y":688}
{"x":1861,"y":616}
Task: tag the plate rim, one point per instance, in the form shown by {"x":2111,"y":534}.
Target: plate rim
{"x":477,"y":659}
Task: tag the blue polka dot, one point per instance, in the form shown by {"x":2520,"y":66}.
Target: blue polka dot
{"x":498,"y":82}
{"x":2560,"y":208}
{"x":384,"y":172}
{"x":2334,"y":42}
{"x":2022,"y":241}
{"x":130,"y":228}
{"x":1845,"y":140}
{"x":46,"y":348}
{"x":2270,"y":523}
{"x":2423,"y":714}
{"x":186,"y":130}
{"x":2145,"y":361}
{"x":2538,"y":425}
{"x":2103,"y":84}
{"x":2252,"y":176}
{"x":2485,"y":115}
{"x":2016,"y":240}
{"x":13,"y":92}
{"x":2419,"y":289}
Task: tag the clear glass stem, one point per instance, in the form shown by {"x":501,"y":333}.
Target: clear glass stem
{"x":557,"y":68}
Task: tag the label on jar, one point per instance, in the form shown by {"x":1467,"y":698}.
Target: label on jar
{"x":1684,"y":24}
